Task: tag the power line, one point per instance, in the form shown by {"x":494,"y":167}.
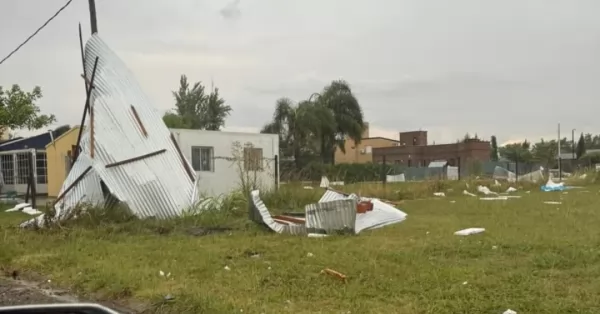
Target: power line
{"x":37,"y":31}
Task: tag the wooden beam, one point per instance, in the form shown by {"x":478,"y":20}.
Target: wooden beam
{"x":183,"y":161}
{"x":130,"y":160}
{"x":139,"y":121}
{"x":68,"y":189}
{"x":92,"y":142}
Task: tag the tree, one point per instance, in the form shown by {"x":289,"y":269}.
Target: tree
{"x":194,"y":109}
{"x":580,"y":149}
{"x":298,"y":126}
{"x":518,"y":152}
{"x":545,"y":152}
{"x":18,"y":110}
{"x":216,"y":111}
{"x":338,"y":98}
{"x":494,"y":151}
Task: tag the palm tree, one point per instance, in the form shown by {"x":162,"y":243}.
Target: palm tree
{"x":349,"y":121}
{"x":298,"y":126}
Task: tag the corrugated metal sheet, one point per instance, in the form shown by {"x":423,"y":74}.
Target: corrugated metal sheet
{"x":259,"y":209}
{"x":156,"y":186}
{"x":437,"y":164}
{"x":332,"y":216}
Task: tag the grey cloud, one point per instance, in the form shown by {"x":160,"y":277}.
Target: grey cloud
{"x":231,"y":11}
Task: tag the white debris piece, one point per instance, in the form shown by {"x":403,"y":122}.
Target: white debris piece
{"x":395,"y":178}
{"x":496,"y":183}
{"x":25,"y":208}
{"x":439,"y":194}
{"x":509,"y":311}
{"x":552,"y":203}
{"x":495,"y":198}
{"x":465,"y":192}
{"x":510,"y":189}
{"x":131,"y":151}
{"x":469,"y":231}
{"x":485,"y":190}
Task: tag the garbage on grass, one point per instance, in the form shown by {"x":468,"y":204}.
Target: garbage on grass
{"x":334,"y":273}
{"x":509,"y":311}
{"x":395,"y":178}
{"x":24,"y":208}
{"x":335,"y":212}
{"x":325,"y":183}
{"x":553,"y":203}
{"x":439,"y":194}
{"x":469,"y":231}
{"x":551,"y":186}
{"x":128,"y":153}
{"x":510,"y":189}
{"x":485,"y":190}
{"x":494,"y":198}
{"x":465,"y":192}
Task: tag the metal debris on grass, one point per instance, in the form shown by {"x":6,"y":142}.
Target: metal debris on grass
{"x":335,"y":213}
{"x":469,"y":231}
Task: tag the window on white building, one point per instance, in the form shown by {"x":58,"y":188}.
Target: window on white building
{"x":203,"y":158}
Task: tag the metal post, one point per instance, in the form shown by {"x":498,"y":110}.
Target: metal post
{"x":276,"y":172}
{"x":573,"y":142}
{"x":93,"y":19}
{"x":383,"y":173}
{"x":32,"y":178}
{"x":559,"y":157}
{"x":85,"y":109}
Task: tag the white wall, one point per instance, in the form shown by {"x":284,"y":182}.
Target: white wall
{"x":225,"y":178}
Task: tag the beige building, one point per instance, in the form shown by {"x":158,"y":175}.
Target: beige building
{"x":362,"y":152}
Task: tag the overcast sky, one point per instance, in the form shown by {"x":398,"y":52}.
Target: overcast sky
{"x":513,"y":68}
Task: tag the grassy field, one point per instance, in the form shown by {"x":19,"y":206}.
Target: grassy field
{"x":532,"y":258}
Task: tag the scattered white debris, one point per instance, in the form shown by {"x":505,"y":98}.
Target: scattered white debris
{"x":494,"y":247}
{"x":510,"y":189}
{"x":452,"y":202}
{"x":552,"y":203}
{"x":395,"y":178}
{"x":25,"y":208}
{"x":509,"y":311}
{"x":465,"y":192}
{"x":496,"y":183}
{"x":308,"y":188}
{"x":469,"y":231}
{"x":162,"y":274}
{"x":440,"y":194}
{"x":495,"y":198}
{"x":227,"y":267}
{"x":485,"y":190}
{"x":309,"y":254}
{"x":325,"y":183}
{"x":465,"y":282}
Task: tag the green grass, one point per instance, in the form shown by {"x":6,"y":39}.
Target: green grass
{"x":533,"y":258}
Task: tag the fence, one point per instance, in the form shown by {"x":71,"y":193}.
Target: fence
{"x":15,"y":169}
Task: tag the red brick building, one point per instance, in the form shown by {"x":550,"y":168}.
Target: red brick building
{"x":413,"y":151}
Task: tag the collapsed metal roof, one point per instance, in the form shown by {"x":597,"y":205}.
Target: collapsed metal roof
{"x":125,"y":145}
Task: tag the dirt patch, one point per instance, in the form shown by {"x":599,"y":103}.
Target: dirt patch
{"x":14,"y":293}
{"x":20,"y":292}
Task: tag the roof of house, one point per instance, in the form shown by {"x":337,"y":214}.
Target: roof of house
{"x":73,"y":129}
{"x":379,"y":138}
{"x":37,"y":142}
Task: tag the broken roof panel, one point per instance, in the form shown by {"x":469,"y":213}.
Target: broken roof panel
{"x":133,"y":152}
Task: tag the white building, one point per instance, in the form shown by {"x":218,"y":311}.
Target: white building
{"x":221,"y":158}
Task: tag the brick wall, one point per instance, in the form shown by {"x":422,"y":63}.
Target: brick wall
{"x":458,"y":154}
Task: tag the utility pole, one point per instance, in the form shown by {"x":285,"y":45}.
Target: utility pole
{"x":93,"y":19}
{"x":559,"y":159}
{"x":573,"y":142}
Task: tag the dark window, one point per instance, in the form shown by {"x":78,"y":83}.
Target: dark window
{"x":203,"y":158}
